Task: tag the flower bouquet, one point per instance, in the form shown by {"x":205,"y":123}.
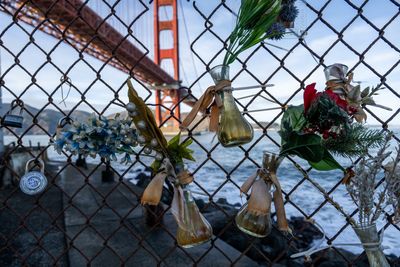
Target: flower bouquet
{"x":256,"y":21}
{"x":108,"y":137}
{"x":362,"y":189}
{"x":99,"y":136}
{"x":330,"y":122}
{"x":193,"y":228}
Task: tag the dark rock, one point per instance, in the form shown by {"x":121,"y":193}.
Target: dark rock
{"x":304,"y":232}
{"x":292,"y":262}
{"x":200,"y":203}
{"x":394,"y":261}
{"x":142,"y":180}
{"x":333,"y":263}
{"x":272,"y":247}
{"x":222,"y":201}
{"x":237,"y":205}
{"x":336,"y":257}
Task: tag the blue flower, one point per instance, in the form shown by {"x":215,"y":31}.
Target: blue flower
{"x":276,"y":31}
{"x":288,"y":12}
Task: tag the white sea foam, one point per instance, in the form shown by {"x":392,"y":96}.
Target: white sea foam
{"x":219,"y":176}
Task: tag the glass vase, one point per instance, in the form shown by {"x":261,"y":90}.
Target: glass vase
{"x":234,"y":129}
{"x":258,"y":225}
{"x":195,"y":229}
{"x":335,"y":72}
{"x":369,"y":237}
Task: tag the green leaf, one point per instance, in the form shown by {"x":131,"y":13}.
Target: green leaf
{"x":156,"y":165}
{"x":187,"y":143}
{"x":187,"y":155}
{"x":327,"y":163}
{"x":306,"y":146}
{"x":293,"y":120}
{"x":177,"y":152}
{"x":174,"y":142}
{"x":295,"y":116}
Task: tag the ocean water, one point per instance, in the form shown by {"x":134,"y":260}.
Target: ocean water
{"x":220,"y":172}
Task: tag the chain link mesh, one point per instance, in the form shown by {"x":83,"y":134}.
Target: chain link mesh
{"x":26,"y":246}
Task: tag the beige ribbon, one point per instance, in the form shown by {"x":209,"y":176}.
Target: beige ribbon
{"x":210,"y":99}
{"x":344,"y":83}
{"x":178,"y":201}
{"x":271,"y":178}
{"x":279,"y":203}
{"x":153,"y":192}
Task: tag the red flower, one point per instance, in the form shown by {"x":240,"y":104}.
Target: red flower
{"x":336,"y":98}
{"x":309,"y":95}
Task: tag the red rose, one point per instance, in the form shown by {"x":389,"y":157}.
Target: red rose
{"x":336,"y":98}
{"x":309,"y":95}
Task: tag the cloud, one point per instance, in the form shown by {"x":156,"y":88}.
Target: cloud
{"x":261,"y":64}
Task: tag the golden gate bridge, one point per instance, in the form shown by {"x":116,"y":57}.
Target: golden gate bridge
{"x":77,"y":24}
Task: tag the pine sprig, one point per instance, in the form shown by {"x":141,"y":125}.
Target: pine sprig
{"x":354,"y":141}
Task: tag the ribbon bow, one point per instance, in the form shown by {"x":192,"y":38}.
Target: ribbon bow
{"x":152,"y":193}
{"x":268,"y":176}
{"x":210,"y":99}
{"x":341,"y":86}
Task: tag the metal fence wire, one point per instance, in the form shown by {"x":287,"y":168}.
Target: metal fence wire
{"x":79,"y":220}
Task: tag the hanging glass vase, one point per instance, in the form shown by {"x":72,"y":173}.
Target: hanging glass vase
{"x":255,"y":224}
{"x":233,"y":128}
{"x":194,"y":229}
{"x":336,"y":72}
{"x":254,"y":217}
{"x":369,"y":237}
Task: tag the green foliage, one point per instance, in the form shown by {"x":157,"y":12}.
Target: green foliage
{"x":327,"y":163}
{"x":354,"y":141}
{"x":179,"y":151}
{"x":176,"y":152}
{"x":254,"y":19}
{"x":293,"y":120}
{"x":305,"y":145}
{"x":326,"y":111}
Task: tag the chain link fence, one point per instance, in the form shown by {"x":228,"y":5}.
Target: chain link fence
{"x":81,"y":220}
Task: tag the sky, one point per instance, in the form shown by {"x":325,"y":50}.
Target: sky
{"x":262,"y":64}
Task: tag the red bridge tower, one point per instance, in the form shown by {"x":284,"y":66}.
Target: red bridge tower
{"x":167,"y":98}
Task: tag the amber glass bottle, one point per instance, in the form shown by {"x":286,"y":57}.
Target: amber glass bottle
{"x":233,"y":128}
{"x":195,"y":229}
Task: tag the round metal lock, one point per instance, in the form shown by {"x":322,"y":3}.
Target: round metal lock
{"x":33,"y":182}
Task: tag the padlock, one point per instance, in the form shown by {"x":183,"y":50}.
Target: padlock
{"x":12,"y":120}
{"x":33,"y":182}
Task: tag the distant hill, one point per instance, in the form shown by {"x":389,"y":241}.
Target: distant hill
{"x":264,"y":124}
{"x":47,"y":119}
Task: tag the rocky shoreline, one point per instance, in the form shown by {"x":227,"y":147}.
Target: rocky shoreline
{"x":276,"y":248}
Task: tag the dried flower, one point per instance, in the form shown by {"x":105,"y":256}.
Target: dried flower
{"x":362,"y":187}
{"x":99,"y":136}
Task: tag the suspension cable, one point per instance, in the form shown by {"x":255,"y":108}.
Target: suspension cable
{"x":188,"y":41}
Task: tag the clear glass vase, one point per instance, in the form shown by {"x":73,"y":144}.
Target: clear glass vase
{"x":335,"y":72}
{"x":255,"y":224}
{"x":195,"y":229}
{"x":369,"y":237}
{"x":233,"y":128}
